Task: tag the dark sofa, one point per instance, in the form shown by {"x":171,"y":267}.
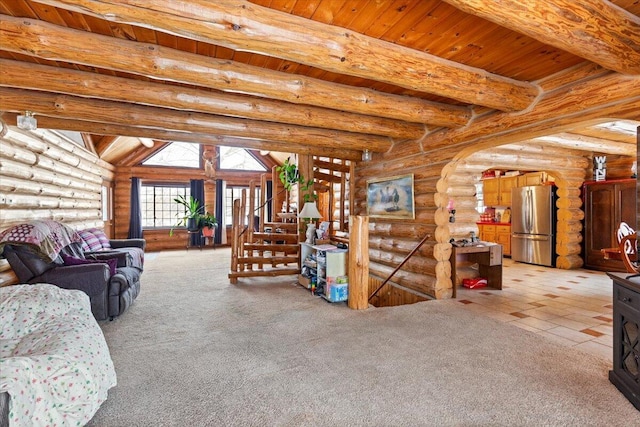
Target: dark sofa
{"x":110,"y":276}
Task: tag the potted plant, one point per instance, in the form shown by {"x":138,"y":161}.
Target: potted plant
{"x":288,"y":174}
{"x":207,"y":223}
{"x":192,"y":212}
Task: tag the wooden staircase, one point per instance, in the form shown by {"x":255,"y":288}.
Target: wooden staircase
{"x":261,"y":248}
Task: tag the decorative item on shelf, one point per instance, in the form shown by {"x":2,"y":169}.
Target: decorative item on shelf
{"x":600,"y":168}
{"x":310,"y":213}
{"x":27,"y":121}
{"x":506,"y":215}
{"x":452,"y":211}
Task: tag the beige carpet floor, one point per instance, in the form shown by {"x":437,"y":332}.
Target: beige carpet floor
{"x":195,"y":350}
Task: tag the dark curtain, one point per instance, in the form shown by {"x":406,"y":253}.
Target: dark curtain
{"x":219,"y":205}
{"x":269,"y":201}
{"x":197,"y":192}
{"x":135,"y":217}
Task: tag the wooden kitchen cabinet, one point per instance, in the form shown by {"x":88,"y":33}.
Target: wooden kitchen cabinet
{"x":503,"y":237}
{"x":532,"y":178}
{"x":487,"y":233}
{"x":497,"y":191}
{"x":491,"y":191}
{"x":506,"y":184}
{"x":606,"y":204}
{"x":497,"y":234}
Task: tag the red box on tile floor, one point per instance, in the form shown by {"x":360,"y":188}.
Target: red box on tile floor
{"x":476,"y":282}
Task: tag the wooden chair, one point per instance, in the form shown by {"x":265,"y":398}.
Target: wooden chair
{"x":629,"y":253}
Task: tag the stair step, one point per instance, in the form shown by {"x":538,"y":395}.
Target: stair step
{"x":286,"y":237}
{"x":268,"y":260}
{"x":282,"y":225}
{"x":262,"y":273}
{"x":271,"y":247}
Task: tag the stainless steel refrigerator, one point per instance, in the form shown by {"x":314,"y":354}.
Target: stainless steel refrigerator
{"x":533,"y":225}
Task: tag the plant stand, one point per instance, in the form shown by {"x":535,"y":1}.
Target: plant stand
{"x":192,"y":233}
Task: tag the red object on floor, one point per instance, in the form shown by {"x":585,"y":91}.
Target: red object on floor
{"x":477,"y":282}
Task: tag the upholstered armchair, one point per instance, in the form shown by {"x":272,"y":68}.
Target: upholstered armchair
{"x":53,"y":254}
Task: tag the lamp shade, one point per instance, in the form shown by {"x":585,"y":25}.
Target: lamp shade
{"x":309,"y":210}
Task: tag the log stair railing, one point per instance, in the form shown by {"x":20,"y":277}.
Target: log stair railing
{"x":262,"y":248}
{"x":413,"y":251}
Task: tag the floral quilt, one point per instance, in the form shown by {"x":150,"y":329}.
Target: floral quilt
{"x":54,"y":360}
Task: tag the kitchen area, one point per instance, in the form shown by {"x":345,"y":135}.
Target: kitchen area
{"x":520,"y":220}
{"x":518,"y":211}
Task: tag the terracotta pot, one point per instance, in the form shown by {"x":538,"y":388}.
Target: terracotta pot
{"x":207,"y":232}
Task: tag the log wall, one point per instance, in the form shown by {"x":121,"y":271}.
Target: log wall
{"x":160,"y":239}
{"x":45,"y":175}
{"x":447,"y":174}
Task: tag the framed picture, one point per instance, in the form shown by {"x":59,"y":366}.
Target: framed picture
{"x":391,"y":197}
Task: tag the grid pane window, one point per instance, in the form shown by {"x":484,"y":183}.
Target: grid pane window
{"x":233,"y":193}
{"x":158,"y":208}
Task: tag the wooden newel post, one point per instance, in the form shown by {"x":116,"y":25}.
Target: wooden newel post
{"x":358,"y":262}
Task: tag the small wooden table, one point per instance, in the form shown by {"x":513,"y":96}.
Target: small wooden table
{"x":487,"y":255}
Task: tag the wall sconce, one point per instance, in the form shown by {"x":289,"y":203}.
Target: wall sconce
{"x":27,"y":122}
{"x":366,"y":155}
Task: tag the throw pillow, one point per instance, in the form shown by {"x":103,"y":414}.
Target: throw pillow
{"x":90,"y":241}
{"x":104,"y":240}
{"x":112,"y":263}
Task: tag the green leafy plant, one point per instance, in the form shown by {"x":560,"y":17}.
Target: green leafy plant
{"x":191,"y":214}
{"x":290,"y":175}
{"x":207,"y":220}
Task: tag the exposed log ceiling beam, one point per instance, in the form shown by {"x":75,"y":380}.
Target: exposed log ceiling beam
{"x":586,"y":143}
{"x":19,"y":74}
{"x":69,"y":107}
{"x":42,"y":40}
{"x":595,"y":30}
{"x":89,"y":143}
{"x":105,"y":142}
{"x":243,"y":26}
{"x":196,"y":137}
{"x":612,"y":95}
{"x":602,"y":133}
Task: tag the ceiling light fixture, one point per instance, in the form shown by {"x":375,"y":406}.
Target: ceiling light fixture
{"x":366,"y":155}
{"x":27,"y":122}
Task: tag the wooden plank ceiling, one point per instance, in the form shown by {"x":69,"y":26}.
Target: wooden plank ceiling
{"x":325,"y":77}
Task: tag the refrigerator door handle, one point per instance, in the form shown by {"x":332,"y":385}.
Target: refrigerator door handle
{"x":541,"y":238}
{"x":528,"y":209}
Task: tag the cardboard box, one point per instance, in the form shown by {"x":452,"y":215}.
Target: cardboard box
{"x":305,"y":282}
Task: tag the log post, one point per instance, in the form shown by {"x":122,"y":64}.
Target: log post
{"x":234,"y":240}
{"x":358,"y":262}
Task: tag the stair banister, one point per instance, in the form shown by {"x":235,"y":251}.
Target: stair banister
{"x":413,"y":251}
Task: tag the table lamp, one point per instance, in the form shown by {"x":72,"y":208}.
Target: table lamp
{"x":310,"y":211}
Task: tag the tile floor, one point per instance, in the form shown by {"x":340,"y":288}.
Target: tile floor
{"x":571,"y":307}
